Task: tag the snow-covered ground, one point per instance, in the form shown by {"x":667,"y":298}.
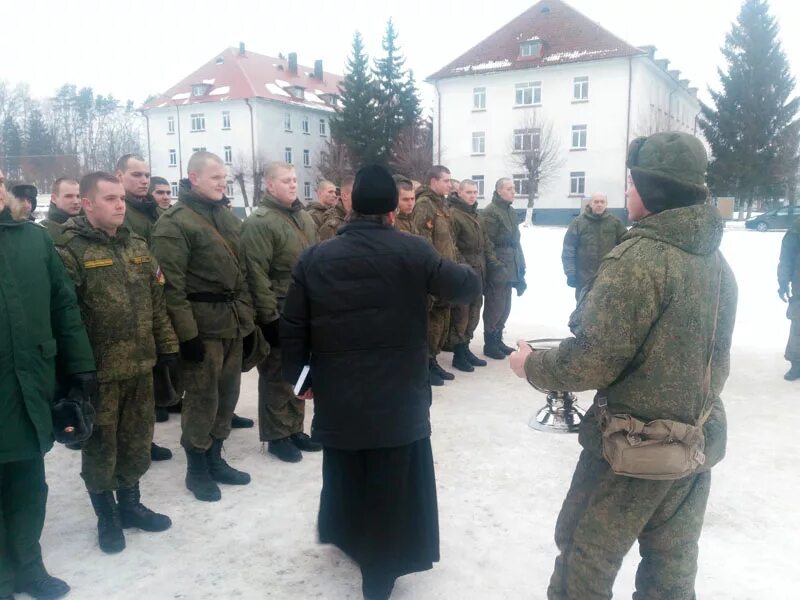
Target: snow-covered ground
{"x":500,"y":483}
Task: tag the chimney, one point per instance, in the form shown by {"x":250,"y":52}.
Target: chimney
{"x":293,"y":63}
{"x":318,"y":70}
{"x":241,"y":49}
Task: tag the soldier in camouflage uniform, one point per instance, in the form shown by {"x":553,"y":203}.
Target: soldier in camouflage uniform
{"x":326,"y":199}
{"x":335,"y":217}
{"x":475,"y":249}
{"x":197,"y":245}
{"x":788,"y":284}
{"x":644,"y":332}
{"x":499,"y":221}
{"x":273,"y":238}
{"x":65,"y":203}
{"x":431,"y":219}
{"x":405,"y":204}
{"x":121,"y":300}
{"x":589,"y":237}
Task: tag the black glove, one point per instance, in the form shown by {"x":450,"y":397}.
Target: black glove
{"x":73,"y":415}
{"x":272,"y":333}
{"x":783,"y":292}
{"x":193,"y":350}
{"x":571,"y":282}
{"x":521,"y":287}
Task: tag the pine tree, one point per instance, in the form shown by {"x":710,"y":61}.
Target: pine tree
{"x":11,"y":148}
{"x":355,"y":125}
{"x":752,"y":129}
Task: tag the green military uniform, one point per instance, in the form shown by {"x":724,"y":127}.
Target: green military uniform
{"x":404,"y":223}
{"x":789,"y":273}
{"x":476,"y":250}
{"x":643,"y":332}
{"x":333,"y":218}
{"x":121,"y":297}
{"x":431,"y":219}
{"x":55,"y":220}
{"x":40,"y":325}
{"x":141,"y":215}
{"x":317,"y":211}
{"x":499,"y":221}
{"x":588,"y":239}
{"x":197,"y":244}
{"x":273,"y":237}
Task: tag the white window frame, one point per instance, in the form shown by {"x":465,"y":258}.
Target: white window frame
{"x":306,"y":126}
{"x":480,"y":181}
{"x":530,"y":48}
{"x":528,"y":93}
{"x":226,"y":119}
{"x":170,"y":125}
{"x":288,"y":155}
{"x":198,"y":122}
{"x":173,"y":157}
{"x":307,"y":190}
{"x":230,"y":190}
{"x":577,"y":183}
{"x":478,"y":142}
{"x":306,"y":158}
{"x":580,"y":89}
{"x":579,"y":137}
{"x":526,"y":140}
{"x":323,"y":128}
{"x":174,"y":188}
{"x":521,"y":184}
{"x":287,"y":122}
{"x":227,"y":153}
{"x":479,"y":98}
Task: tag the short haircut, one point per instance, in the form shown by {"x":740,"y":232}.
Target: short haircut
{"x":403,"y":183}
{"x":347,"y":181}
{"x":88,"y":184}
{"x":199,"y":160}
{"x":154,"y":181}
{"x":57,"y":184}
{"x":501,"y":182}
{"x":122,"y":163}
{"x":324,"y":182}
{"x":272,"y":169}
{"x":465,"y":183}
{"x":435,"y":172}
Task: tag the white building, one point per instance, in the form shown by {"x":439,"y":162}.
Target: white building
{"x":249,"y":109}
{"x":553,"y":68}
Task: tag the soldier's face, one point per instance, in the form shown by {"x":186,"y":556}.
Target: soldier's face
{"x":135,"y":178}
{"x":347,"y":197}
{"x":68,"y":198}
{"x":406,"y":201}
{"x":283,"y":187}
{"x":506,"y":191}
{"x":210,"y":182}
{"x":469,"y":194}
{"x":327,"y":194}
{"x":599,"y":204}
{"x":636,"y":208}
{"x":441,"y":186}
{"x":105,"y":208}
{"x":24,"y":207}
{"x":163,"y":195}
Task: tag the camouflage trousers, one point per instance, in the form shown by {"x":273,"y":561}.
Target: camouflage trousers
{"x":463,"y":322}
{"x":792,"y":353}
{"x":211,"y":393}
{"x":280,"y":413}
{"x":604,"y":514}
{"x":118,"y":452}
{"x":438,"y":328}
{"x":497,"y":306}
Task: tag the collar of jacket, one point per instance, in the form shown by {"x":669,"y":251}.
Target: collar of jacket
{"x":427,"y":192}
{"x":146,"y":205}
{"x":694,"y":229}
{"x":360,"y":224}
{"x":198,"y":203}
{"x":498,"y":201}
{"x":6,"y":220}
{"x":403,"y":216}
{"x":57,"y":215}
{"x":80,"y":226}
{"x":457,"y":202}
{"x":589,"y":213}
{"x":271,"y":201}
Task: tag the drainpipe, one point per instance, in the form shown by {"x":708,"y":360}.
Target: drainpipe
{"x":252,"y":147}
{"x":627,"y":133}
{"x":180,"y":145}
{"x":147,"y":126}
{"x":439,"y":121}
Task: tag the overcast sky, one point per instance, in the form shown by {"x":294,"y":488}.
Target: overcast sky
{"x":138,"y":48}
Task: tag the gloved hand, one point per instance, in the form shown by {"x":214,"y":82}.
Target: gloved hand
{"x":193,"y":350}
{"x":73,"y":415}
{"x":783,"y":293}
{"x":571,"y":281}
{"x":271,"y":333}
{"x":521,"y":287}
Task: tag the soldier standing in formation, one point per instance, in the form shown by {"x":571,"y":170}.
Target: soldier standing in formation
{"x":65,"y":203}
{"x":26,"y":195}
{"x":589,"y":237}
{"x":122,"y":304}
{"x":161,"y":191}
{"x":335,"y":216}
{"x":197,"y":245}
{"x":273,"y":238}
{"x":475,"y":250}
{"x":789,"y":291}
{"x":326,"y":199}
{"x":406,"y":199}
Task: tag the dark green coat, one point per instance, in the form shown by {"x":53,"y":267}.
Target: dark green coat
{"x":404,"y":223}
{"x":141,"y":215}
{"x":121,"y":297}
{"x":643,"y":329}
{"x":332,"y":219}
{"x":40,"y":325}
{"x":317,"y":211}
{"x":473,"y":247}
{"x":55,"y":219}
{"x":499,"y":221}
{"x":431,"y":218}
{"x":588,"y":239}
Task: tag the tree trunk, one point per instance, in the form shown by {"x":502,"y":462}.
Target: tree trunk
{"x":749,"y":207}
{"x":529,"y":209}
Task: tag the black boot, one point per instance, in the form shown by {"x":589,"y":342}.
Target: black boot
{"x":285,"y":450}
{"x":460,"y":360}
{"x":109,"y":527}
{"x":238,"y":422}
{"x":175,"y":408}
{"x":793,"y":373}
{"x":304,"y":443}
{"x":490,"y":347}
{"x":446,"y":375}
{"x":132,"y":513}
{"x":158,"y":453}
{"x":198,"y":479}
{"x":221,"y":471}
{"x":162,"y":414}
{"x":472,"y":359}
{"x":43,"y":587}
{"x":500,"y":344}
{"x":376,"y":587}
{"x":433,"y":374}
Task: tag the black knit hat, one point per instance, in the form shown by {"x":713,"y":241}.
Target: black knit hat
{"x":374,"y":191}
{"x":25,"y":191}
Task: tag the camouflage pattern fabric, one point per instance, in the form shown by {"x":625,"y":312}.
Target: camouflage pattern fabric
{"x":404,"y":223}
{"x":438,"y":328}
{"x":317,"y":211}
{"x":463,"y":322}
{"x":333,"y":218}
{"x":588,"y":239}
{"x":431,"y":219}
{"x":497,"y":307}
{"x":280,"y":414}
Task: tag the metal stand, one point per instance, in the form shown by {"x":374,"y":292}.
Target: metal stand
{"x":561,"y":414}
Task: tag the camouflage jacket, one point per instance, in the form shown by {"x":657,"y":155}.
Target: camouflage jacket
{"x":317,"y":211}
{"x":499,"y":221}
{"x":333,"y":218}
{"x":273,"y":237}
{"x":141,"y":215}
{"x":55,"y":221}
{"x":121,"y":298}
{"x":473,"y":247}
{"x":404,"y":223}
{"x":431,"y":218}
{"x":197,"y":244}
{"x":588,"y":239}
{"x":643,"y":329}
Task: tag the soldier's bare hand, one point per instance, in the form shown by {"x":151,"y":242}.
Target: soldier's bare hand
{"x":518,"y":358}
{"x":307,"y":395}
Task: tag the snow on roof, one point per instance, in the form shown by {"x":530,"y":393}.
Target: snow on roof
{"x":223,"y":89}
{"x":283,"y":83}
{"x":485,"y":66}
{"x":311,"y":97}
{"x":182,"y":96}
{"x":209,"y":81}
{"x":274,"y":89}
{"x":575,"y":55}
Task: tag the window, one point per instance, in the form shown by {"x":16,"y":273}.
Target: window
{"x":580,"y":88}
{"x":200,"y":89}
{"x":226,"y":119}
{"x":287,"y":155}
{"x":287,"y":122}
{"x":170,"y":124}
{"x":174,"y":187}
{"x":323,"y":127}
{"x":578,"y":137}
{"x":479,"y":180}
{"x":521,"y":184}
{"x":526,"y":140}
{"x":528,"y":94}
{"x":229,"y":189}
{"x":307,"y":190}
{"x":228,"y":152}
{"x":306,"y":158}
{"x":198,"y":122}
{"x":479,"y":98}
{"x":306,"y":127}
{"x":577,"y":183}
{"x":198,"y":149}
{"x":173,"y":157}
{"x":530,"y":48}
{"x":478,"y":142}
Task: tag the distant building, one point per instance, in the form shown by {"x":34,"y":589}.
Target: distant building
{"x":596,"y":92}
{"x":249,"y":109}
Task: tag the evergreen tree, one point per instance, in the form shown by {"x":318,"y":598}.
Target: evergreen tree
{"x":11,"y":148}
{"x":752,"y":129}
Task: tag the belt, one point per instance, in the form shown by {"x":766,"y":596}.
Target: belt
{"x":211,"y":297}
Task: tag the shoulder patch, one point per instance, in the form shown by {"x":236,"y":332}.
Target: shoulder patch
{"x":139,"y":260}
{"x":100,"y":262}
{"x":622,"y":248}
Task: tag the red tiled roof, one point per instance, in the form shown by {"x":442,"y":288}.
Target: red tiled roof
{"x":567,"y":36}
{"x":234,"y":76}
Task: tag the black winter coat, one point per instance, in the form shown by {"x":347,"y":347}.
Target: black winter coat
{"x":357,"y":313}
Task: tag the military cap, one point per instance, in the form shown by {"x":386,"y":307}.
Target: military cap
{"x":25,"y":191}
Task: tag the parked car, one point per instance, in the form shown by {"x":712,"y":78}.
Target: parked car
{"x":780,"y":218}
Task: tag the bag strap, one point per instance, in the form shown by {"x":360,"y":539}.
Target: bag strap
{"x":294,"y":223}
{"x":204,"y":222}
{"x":706,"y":410}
